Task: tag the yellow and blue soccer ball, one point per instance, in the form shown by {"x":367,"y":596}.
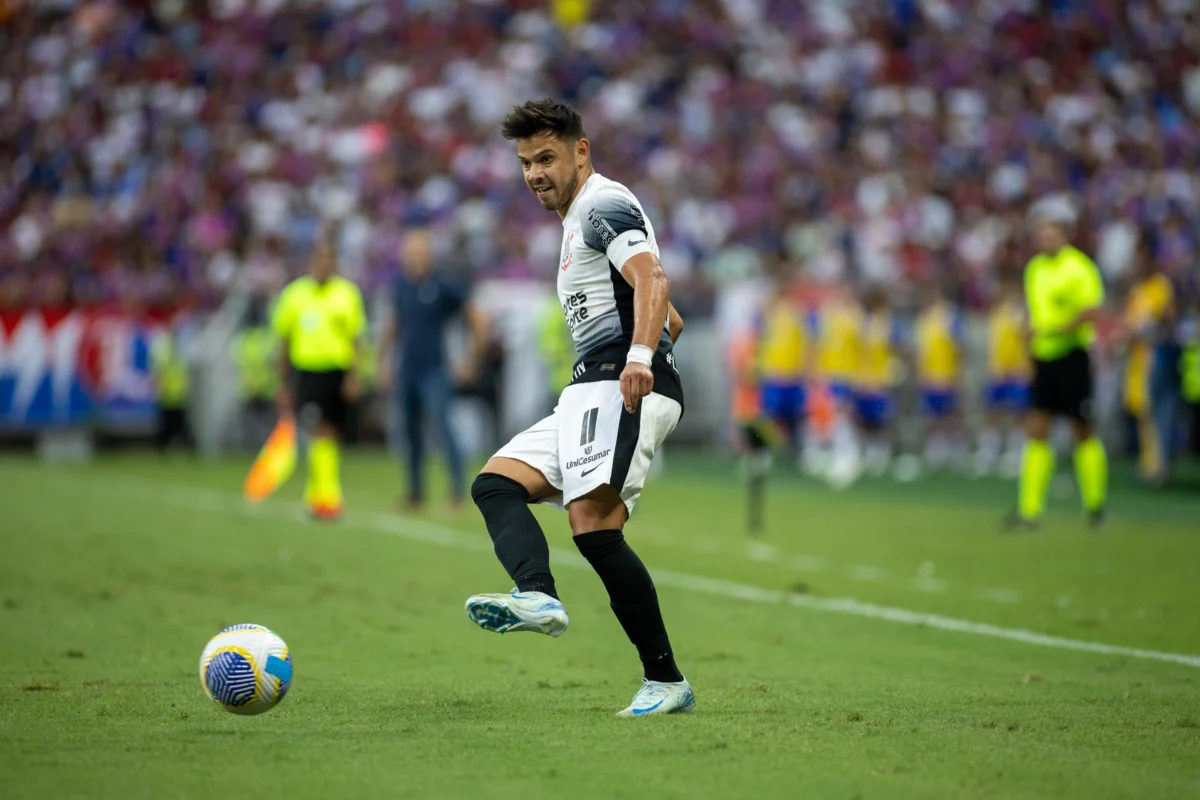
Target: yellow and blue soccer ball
{"x":246,"y":669}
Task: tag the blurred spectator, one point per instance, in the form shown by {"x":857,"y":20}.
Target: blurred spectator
{"x":159,"y":151}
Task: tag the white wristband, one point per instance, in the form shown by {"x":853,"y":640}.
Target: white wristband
{"x":641,"y":354}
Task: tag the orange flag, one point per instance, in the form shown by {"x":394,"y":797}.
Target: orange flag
{"x":275,"y":463}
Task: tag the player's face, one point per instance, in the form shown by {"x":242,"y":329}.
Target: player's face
{"x":1049,"y":236}
{"x":551,"y":167}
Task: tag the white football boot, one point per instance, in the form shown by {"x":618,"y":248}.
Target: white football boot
{"x":516,"y":611}
{"x":661,"y":698}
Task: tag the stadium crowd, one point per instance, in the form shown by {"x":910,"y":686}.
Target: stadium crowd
{"x":156,"y":151}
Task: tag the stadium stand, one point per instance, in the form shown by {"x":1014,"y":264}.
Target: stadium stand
{"x":159,"y":149}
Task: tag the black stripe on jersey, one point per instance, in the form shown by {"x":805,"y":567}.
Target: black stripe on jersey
{"x":623,"y":297}
{"x":629,"y":429}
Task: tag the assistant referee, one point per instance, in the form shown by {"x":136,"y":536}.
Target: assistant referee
{"x":320,"y":321}
{"x":1064,"y":292}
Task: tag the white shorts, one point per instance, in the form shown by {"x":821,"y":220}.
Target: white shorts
{"x":590,"y":441}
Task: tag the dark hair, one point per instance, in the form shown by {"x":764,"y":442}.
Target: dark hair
{"x":543,"y":116}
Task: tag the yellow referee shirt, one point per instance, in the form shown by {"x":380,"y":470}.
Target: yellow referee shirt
{"x":320,"y":322}
{"x":1058,"y":289}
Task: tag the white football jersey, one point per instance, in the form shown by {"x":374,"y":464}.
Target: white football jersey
{"x":603,"y":229}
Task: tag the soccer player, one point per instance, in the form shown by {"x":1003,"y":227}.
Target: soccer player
{"x":320,"y":321}
{"x":938,"y":341}
{"x":781,"y":360}
{"x":838,"y":323}
{"x":877,"y":378}
{"x":1146,"y":310}
{"x":757,"y":434}
{"x":1007,"y":393}
{"x":625,"y":397}
{"x":1064,"y":292}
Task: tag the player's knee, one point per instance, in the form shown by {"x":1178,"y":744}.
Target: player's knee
{"x":1037,"y":425}
{"x":489,"y":487}
{"x":600,"y":510}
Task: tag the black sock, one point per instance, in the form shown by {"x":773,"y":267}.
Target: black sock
{"x":633,"y":599}
{"x":518,"y":539}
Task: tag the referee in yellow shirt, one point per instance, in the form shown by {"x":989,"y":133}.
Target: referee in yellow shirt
{"x":320,"y":321}
{"x":1064,"y":292}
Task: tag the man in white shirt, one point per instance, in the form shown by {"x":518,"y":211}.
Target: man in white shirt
{"x":592,"y":454}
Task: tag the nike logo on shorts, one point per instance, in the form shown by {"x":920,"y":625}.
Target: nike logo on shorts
{"x":587,"y":472}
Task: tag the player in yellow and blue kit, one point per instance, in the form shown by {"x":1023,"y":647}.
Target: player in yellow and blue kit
{"x":838,"y":325}
{"x":838,"y":330}
{"x":1146,"y":312}
{"x":1007,"y":392}
{"x":877,"y":378}
{"x":938,"y":342}
{"x":780,"y":361}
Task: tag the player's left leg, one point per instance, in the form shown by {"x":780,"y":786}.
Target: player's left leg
{"x":934,"y":403}
{"x":323,"y":493}
{"x":597,"y":522}
{"x":874,"y":416}
{"x":606,"y":457}
{"x":321,"y":408}
{"x":990,"y":441}
{"x":1091,"y":461}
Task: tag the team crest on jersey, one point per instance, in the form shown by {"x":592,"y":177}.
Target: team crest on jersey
{"x":564,"y":259}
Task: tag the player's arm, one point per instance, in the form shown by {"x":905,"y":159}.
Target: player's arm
{"x":651,"y":299}
{"x":616,"y":226}
{"x":674,"y":322}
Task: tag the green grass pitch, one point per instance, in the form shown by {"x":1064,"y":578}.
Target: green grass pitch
{"x":113,"y":576}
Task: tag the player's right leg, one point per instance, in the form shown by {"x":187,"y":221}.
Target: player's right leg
{"x":1037,"y":469}
{"x":321,"y":409}
{"x":502,"y":491}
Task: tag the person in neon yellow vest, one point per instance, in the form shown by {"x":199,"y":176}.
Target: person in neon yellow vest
{"x":1065,"y":294}
{"x":169,"y":370}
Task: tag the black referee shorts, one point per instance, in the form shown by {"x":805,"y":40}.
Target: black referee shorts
{"x":1063,"y":387}
{"x":319,"y":398}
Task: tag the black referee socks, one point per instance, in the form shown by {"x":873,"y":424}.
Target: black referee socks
{"x":633,"y":599}
{"x":518,"y":539}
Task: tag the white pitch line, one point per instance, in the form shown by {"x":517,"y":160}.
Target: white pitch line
{"x":417,"y":530}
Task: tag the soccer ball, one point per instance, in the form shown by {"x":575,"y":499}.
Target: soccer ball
{"x":246,"y":669}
